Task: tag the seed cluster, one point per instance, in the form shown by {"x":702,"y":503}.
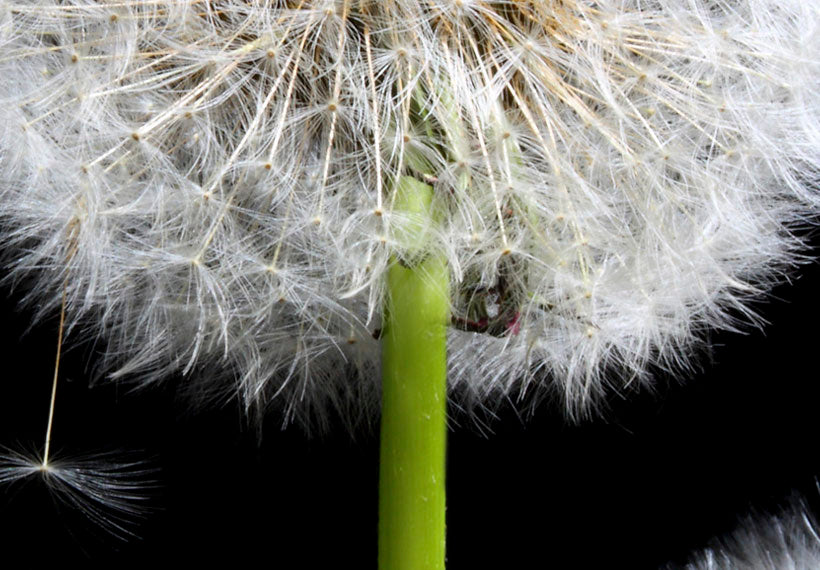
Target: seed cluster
{"x":214,"y":182}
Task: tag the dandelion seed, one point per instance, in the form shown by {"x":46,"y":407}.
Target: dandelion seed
{"x":112,"y":490}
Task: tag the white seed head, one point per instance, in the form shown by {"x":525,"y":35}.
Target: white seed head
{"x":785,"y":541}
{"x":612,"y":177}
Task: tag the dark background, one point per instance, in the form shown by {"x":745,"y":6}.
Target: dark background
{"x":655,"y":479}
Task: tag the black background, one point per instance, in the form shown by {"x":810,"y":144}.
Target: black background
{"x":660,"y":475}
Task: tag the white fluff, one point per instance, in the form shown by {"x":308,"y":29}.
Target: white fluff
{"x":111,"y":490}
{"x":215,"y":180}
{"x":787,"y":541}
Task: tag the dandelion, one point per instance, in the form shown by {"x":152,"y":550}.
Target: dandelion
{"x":786,"y":541}
{"x":567,"y":193}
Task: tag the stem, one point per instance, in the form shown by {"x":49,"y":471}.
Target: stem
{"x":47,"y":446}
{"x":414,"y":397}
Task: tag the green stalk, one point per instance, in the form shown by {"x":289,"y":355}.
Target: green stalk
{"x":414,"y":394}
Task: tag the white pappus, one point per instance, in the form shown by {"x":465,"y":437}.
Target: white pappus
{"x":209,"y":185}
{"x":787,"y":540}
{"x":212,"y":180}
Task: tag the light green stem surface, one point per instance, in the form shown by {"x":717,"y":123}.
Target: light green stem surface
{"x":414,"y":397}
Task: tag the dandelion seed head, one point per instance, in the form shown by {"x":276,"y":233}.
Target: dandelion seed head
{"x":787,"y":540}
{"x":611,"y":179}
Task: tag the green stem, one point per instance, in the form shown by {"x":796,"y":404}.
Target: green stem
{"x":414,"y":398}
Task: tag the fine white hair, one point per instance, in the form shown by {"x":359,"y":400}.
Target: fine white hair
{"x":788,"y":540}
{"x":212,"y":182}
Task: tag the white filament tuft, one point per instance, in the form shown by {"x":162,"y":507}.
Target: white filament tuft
{"x":111,"y":490}
{"x":786,"y":541}
{"x":615,"y":178}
